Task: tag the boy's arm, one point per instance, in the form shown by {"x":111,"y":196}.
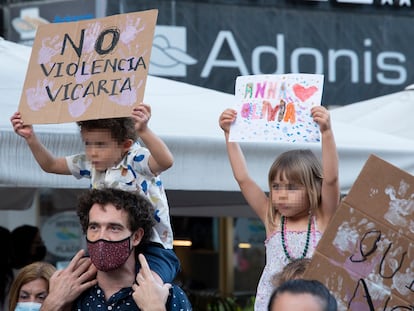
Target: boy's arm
{"x":44,"y":158}
{"x":330,"y":163}
{"x":161,"y":158}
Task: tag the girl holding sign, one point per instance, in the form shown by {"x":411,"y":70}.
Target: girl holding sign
{"x":302,"y":199}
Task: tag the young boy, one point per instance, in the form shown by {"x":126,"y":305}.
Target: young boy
{"x":114,"y":159}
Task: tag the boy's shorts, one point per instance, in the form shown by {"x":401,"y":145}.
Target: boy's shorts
{"x":162,"y":261}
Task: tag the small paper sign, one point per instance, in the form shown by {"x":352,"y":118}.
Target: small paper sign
{"x":276,"y":108}
{"x":88,"y":69}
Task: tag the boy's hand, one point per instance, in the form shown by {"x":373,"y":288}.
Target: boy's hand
{"x":148,"y":294}
{"x":141,"y":115}
{"x":322,"y":117}
{"x":227,"y":117}
{"x":26,"y":131}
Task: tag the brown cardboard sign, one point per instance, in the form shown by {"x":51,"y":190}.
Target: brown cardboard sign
{"x":88,"y":69}
{"x":366,"y":255}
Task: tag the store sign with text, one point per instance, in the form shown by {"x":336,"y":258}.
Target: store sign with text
{"x":361,"y":55}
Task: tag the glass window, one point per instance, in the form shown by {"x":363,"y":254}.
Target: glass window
{"x":249,"y":253}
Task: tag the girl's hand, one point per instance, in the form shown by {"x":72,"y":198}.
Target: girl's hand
{"x":227,"y":117}
{"x":26,"y":131}
{"x":322,"y":117}
{"x":141,"y":115}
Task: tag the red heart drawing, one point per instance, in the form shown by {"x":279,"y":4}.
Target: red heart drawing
{"x":303,"y":93}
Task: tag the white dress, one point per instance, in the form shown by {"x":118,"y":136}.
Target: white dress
{"x":276,"y":259}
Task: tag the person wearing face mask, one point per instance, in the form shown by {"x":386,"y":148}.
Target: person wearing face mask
{"x":30,"y":287}
{"x":116,"y":233}
{"x":27,"y":246}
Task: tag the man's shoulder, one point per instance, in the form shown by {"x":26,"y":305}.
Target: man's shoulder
{"x":89,"y":294}
{"x":178,"y":300}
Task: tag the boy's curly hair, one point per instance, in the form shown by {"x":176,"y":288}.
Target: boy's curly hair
{"x":121,"y":128}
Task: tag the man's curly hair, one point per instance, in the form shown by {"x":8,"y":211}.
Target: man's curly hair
{"x":121,"y":128}
{"x":139,"y":209}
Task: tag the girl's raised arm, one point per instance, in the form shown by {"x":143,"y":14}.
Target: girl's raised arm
{"x":254,"y":195}
{"x":330,"y":164}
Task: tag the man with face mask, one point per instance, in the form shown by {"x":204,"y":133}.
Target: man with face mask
{"x":117,"y":225}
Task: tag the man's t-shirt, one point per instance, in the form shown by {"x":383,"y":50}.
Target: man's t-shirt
{"x":94,"y":299}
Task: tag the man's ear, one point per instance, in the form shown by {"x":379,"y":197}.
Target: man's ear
{"x":127,"y":144}
{"x":137,"y":236}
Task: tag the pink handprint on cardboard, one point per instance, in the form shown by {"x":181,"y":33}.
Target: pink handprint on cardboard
{"x":50,"y":48}
{"x":79,"y":106}
{"x":130,"y":30}
{"x":91,"y":34}
{"x":37,"y":97}
{"x":128,"y":98}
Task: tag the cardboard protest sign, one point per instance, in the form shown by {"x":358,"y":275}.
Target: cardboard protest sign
{"x":88,"y":69}
{"x":366,"y":255}
{"x":276,"y":108}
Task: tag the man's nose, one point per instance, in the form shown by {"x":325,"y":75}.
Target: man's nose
{"x":102,"y":234}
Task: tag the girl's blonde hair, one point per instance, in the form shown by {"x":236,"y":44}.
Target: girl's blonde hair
{"x":301,"y":167}
{"x":31,"y":272}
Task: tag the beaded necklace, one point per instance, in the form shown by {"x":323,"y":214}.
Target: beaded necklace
{"x":283,"y":233}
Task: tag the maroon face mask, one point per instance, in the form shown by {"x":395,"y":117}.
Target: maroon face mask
{"x":109,"y":255}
